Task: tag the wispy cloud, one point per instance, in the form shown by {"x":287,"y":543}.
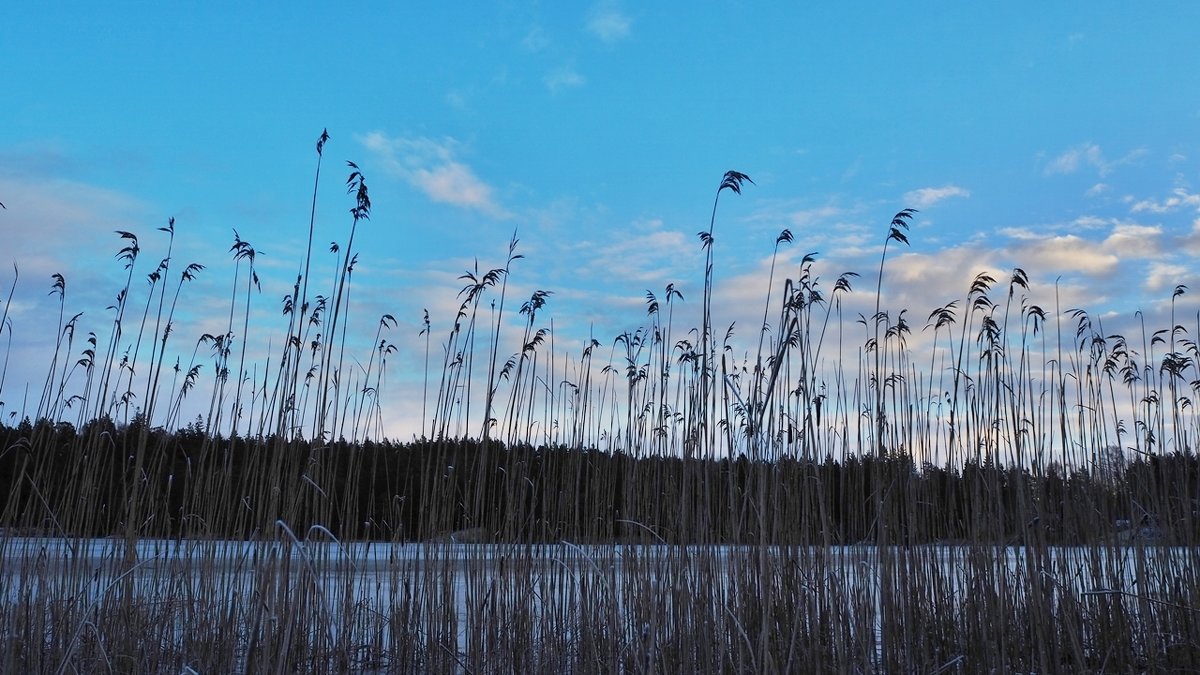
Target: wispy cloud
{"x":457,"y":99}
{"x":1084,"y":223}
{"x":926,"y":197}
{"x":55,"y":222}
{"x":1180,"y":198}
{"x":794,"y":213}
{"x":432,"y":166}
{"x":1088,"y":155}
{"x":1088,"y":222}
{"x":536,"y":39}
{"x":608,"y":23}
{"x":562,"y":78}
{"x":813,"y":216}
{"x":646,"y":253}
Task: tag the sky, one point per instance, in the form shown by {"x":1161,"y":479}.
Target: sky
{"x":1060,"y":138}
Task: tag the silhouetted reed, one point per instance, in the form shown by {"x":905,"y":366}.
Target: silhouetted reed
{"x":821,"y":496}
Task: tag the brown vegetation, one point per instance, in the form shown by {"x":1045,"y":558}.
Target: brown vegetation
{"x":676,"y":510}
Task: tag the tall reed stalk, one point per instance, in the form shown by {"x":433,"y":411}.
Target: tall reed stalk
{"x":1013,"y":488}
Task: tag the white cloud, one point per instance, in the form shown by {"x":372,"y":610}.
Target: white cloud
{"x":649,"y":254}
{"x":1134,"y":240}
{"x":1067,"y":253}
{"x":433,"y":168}
{"x":1089,"y":222}
{"x":1164,"y":275}
{"x":1097,"y":190}
{"x":922,"y":279}
{"x":1191,"y":242}
{"x":805,"y":217}
{"x":1018,"y":232}
{"x":563,"y":77}
{"x":51,"y":224}
{"x":926,"y":197}
{"x":608,"y":23}
{"x":1079,"y":156}
{"x":1080,"y":224}
{"x":1180,"y":198}
{"x":772,"y":213}
{"x":1088,"y":155}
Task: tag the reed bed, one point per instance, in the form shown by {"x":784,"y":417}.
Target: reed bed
{"x":1018,"y":492}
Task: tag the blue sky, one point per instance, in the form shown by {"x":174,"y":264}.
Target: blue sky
{"x":1060,"y":138}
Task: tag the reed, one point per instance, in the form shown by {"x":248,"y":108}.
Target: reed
{"x":1010,"y":488}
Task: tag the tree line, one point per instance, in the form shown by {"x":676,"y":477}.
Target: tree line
{"x":56,"y":480}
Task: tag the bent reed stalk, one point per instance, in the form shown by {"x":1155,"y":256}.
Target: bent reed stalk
{"x":1023,"y":497}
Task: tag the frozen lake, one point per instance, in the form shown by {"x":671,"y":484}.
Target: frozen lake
{"x":455,"y":598}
